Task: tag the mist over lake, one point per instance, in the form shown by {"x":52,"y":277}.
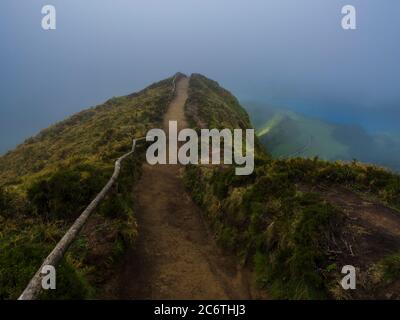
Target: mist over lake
{"x":285,"y":53}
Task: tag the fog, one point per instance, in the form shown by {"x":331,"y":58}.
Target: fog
{"x":286,"y":52}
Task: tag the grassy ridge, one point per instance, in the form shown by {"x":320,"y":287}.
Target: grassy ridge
{"x":98,"y":134}
{"x":48,"y":180}
{"x":285,"y":233}
{"x":210,"y":105}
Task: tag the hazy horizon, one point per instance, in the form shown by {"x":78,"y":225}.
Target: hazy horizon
{"x":282,"y":52}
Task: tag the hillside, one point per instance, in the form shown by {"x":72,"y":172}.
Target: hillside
{"x":211,"y":106}
{"x":292,"y":224}
{"x":288,"y":134}
{"x":49,"y":179}
{"x":297,"y":222}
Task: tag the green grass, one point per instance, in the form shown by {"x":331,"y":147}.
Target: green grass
{"x":213,"y":107}
{"x":263,"y":217}
{"x":268,"y":219}
{"x":288,"y":133}
{"x":217,"y":107}
{"x":23,"y":246}
{"x":390,"y":267}
{"x":47,"y":181}
{"x":287,"y":232}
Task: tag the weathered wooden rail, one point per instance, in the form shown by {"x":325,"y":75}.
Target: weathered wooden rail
{"x":34,"y":287}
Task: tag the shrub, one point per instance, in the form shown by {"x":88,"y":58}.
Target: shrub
{"x":66,"y":192}
{"x":265,"y":216}
{"x":391,"y":267}
{"x":23,"y":247}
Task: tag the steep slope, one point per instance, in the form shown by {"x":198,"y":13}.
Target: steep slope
{"x":211,"y":106}
{"x":96,"y":134}
{"x":288,"y":134}
{"x":48,"y":180}
{"x":297,"y":222}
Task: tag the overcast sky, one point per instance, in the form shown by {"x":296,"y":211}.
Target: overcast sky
{"x":288,"y":52}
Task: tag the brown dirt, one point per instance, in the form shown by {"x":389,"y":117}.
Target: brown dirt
{"x":175,"y":257}
{"x":378,"y":227}
{"x":367,"y":212}
{"x":372,"y":232}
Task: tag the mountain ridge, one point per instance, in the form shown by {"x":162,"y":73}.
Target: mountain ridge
{"x":293,"y":223}
{"x":48,"y":180}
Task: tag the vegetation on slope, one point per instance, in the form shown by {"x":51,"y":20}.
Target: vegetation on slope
{"x":295,"y":238}
{"x":288,"y":134}
{"x":286,"y":231}
{"x":210,"y":105}
{"x":48,"y":180}
{"x":288,"y":234}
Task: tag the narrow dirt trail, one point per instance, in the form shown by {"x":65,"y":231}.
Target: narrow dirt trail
{"x":175,"y":257}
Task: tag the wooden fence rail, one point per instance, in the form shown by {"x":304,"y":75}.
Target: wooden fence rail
{"x":34,"y":287}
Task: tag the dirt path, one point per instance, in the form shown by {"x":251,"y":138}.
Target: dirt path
{"x":175,"y":257}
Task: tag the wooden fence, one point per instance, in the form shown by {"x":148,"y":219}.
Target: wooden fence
{"x":34,"y":287}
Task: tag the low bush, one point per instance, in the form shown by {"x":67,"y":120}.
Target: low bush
{"x":65,"y":193}
{"x":285,"y":232}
